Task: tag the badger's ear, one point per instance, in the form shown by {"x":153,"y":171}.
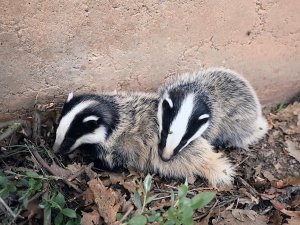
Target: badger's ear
{"x":70,"y":96}
{"x":167,"y":104}
{"x":91,"y":121}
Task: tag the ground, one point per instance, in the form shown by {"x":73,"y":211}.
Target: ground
{"x":266,"y":189}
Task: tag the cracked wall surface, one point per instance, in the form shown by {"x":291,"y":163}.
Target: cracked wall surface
{"x":51,"y":47}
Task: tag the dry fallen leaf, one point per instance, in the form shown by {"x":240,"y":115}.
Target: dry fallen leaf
{"x":90,"y":218}
{"x":287,"y":182}
{"x":268,"y":175}
{"x":105,"y":200}
{"x":240,"y":217}
{"x":293,"y":221}
{"x":88,"y":196}
{"x":293,"y":150}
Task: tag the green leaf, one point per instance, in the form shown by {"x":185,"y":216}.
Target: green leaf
{"x":172,"y":197}
{"x":70,"y":222}
{"x":31,"y":183}
{"x":58,"y":219}
{"x":150,"y":199}
{"x":182,"y":191}
{"x":31,"y":174}
{"x":118,"y":216}
{"x":138,"y":220}
{"x":169,"y":222}
{"x":47,"y":212}
{"x":3,"y":181}
{"x":60,"y":200}
{"x":172,"y":216}
{"x":25,"y":202}
{"x":154,"y":217}
{"x":137,"y":200}
{"x":69,"y":213}
{"x":147,"y":183}
{"x":187,"y":215}
{"x":202,"y":199}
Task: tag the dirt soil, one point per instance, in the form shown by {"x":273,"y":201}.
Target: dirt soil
{"x":266,"y":189}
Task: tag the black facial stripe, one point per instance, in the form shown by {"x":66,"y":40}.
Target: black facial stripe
{"x":193,"y":126}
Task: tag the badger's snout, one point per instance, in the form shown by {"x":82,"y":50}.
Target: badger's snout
{"x":65,"y":147}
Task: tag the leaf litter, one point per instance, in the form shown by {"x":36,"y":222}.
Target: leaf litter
{"x":266,"y":189}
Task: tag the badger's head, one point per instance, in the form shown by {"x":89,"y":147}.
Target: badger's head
{"x":182,"y":117}
{"x":86,"y":120}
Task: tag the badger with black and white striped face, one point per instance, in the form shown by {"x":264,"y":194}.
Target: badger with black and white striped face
{"x":217,"y":104}
{"x":121,"y":130}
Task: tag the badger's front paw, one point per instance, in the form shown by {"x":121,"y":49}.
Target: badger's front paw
{"x":219,"y":171}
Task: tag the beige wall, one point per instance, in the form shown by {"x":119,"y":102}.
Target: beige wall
{"x":51,"y":47}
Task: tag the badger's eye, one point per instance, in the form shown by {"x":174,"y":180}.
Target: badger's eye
{"x":170,"y":132}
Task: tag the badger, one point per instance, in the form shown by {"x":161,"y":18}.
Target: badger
{"x":216,"y":104}
{"x":121,"y":130}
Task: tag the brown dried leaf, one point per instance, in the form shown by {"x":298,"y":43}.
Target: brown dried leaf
{"x":291,"y":213}
{"x":116,"y":177}
{"x":293,"y":221}
{"x":74,"y":167}
{"x":240,"y":217}
{"x":245,"y":192}
{"x":293,"y":150}
{"x":90,"y":218}
{"x":130,"y":186}
{"x":268,"y":175}
{"x":278,"y":205}
{"x":288,"y":113}
{"x":105,"y":200}
{"x":276,"y":218}
{"x":287,"y":182}
{"x":88,"y":196}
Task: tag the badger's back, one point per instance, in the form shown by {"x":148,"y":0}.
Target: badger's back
{"x":137,"y":132}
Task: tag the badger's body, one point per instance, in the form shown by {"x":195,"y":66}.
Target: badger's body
{"x":130,"y":138}
{"x":217,"y":104}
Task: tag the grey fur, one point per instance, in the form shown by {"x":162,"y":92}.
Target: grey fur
{"x":133,"y":144}
{"x":236,"y":116}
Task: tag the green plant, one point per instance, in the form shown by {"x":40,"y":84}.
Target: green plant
{"x":279,"y":106}
{"x":6,"y":187}
{"x":56,"y":202}
{"x":180,"y":212}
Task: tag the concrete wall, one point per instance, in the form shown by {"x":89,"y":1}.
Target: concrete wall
{"x":51,"y":47}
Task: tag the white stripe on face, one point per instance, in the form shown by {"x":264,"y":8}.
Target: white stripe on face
{"x":160,"y":110}
{"x":66,"y":121}
{"x":179,"y":125}
{"x":92,"y":138}
{"x":90,"y":118}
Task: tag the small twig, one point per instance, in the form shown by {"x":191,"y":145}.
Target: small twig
{"x":79,"y":172}
{"x":235,"y":166}
{"x":252,"y":190}
{"x":9,"y":209}
{"x":37,"y":195}
{"x":208,"y":212}
{"x":126,"y":214}
{"x":47,"y":220}
{"x":50,"y":170}
{"x":10,"y":129}
{"x":176,"y":188}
